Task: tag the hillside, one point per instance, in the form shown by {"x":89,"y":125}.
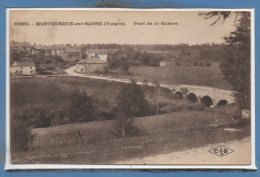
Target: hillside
{"x":100,"y":130}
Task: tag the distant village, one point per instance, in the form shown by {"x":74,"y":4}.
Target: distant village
{"x":31,"y":59}
{"x":28,"y":59}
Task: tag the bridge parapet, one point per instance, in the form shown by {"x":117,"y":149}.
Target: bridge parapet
{"x":210,"y":96}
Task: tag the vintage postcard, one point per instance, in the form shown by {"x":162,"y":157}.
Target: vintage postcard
{"x":130,"y":89}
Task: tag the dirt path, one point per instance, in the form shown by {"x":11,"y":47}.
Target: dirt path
{"x":241,"y":155}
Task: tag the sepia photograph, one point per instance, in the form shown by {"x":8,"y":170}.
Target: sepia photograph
{"x":130,"y":88}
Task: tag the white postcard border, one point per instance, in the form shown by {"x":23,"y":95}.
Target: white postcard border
{"x":10,"y":166}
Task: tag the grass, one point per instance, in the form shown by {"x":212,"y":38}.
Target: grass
{"x":172,"y":74}
{"x":114,"y":150}
{"x":54,"y":91}
{"x":99,"y":131}
{"x":176,"y":131}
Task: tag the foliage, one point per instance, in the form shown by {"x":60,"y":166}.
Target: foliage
{"x":131,"y":100}
{"x":81,"y":107}
{"x":125,"y":66}
{"x":236,"y":63}
{"x":22,"y":122}
{"x":35,"y":117}
{"x":221,"y":15}
{"x":207,"y":63}
{"x":19,"y":134}
{"x":212,"y":52}
{"x":124,"y":127}
{"x":185,"y":91}
{"x":131,"y":103}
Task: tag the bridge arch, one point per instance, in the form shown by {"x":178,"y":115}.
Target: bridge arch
{"x":192,"y":97}
{"x":179,"y":94}
{"x":222,"y":102}
{"x":207,"y":100}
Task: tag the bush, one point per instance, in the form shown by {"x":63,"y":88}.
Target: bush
{"x":173,"y":108}
{"x":195,"y":107}
{"x":131,"y":101}
{"x":185,"y":91}
{"x":196,"y":63}
{"x":20,"y":134}
{"x":166,"y":91}
{"x":124,"y":127}
{"x":81,"y":108}
{"x":201,"y":64}
{"x":208,"y":63}
{"x":177,"y":63}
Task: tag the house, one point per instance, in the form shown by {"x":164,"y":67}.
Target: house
{"x":54,"y":51}
{"x":163,"y":63}
{"x":57,"y":51}
{"x":91,"y":65}
{"x":47,"y":50}
{"x":102,"y":54}
{"x":38,"y":49}
{"x":21,"y":47}
{"x":22,"y":68}
{"x":96,"y":60}
{"x":72,"y":55}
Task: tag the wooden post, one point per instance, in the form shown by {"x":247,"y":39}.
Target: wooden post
{"x":157,"y":110}
{"x":52,"y":141}
{"x":123,"y":131}
{"x":57,"y":139}
{"x":29,"y":138}
{"x":79,"y":136}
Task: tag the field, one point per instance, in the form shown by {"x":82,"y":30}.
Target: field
{"x":176,"y":132}
{"x":54,"y":91}
{"x":186,"y":72}
{"x":183,"y":74}
{"x":100,"y":130}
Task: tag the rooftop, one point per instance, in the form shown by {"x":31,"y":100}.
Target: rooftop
{"x":102,"y":51}
{"x":72,"y":50}
{"x":23,"y":63}
{"x":91,"y":61}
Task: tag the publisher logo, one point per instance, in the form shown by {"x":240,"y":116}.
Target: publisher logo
{"x":221,"y":151}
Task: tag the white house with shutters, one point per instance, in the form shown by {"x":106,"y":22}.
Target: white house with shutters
{"x":23,"y":68}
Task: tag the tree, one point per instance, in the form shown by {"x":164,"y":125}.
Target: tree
{"x":131,"y":103}
{"x":131,"y":100}
{"x":81,"y":107}
{"x":19,"y":134}
{"x":236,"y":63}
{"x":83,"y":52}
{"x":124,"y":127}
{"x":125,"y":66}
{"x":22,"y":122}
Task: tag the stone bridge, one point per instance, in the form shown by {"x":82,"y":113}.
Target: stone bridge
{"x":207,"y":95}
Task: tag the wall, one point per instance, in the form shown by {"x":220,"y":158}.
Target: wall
{"x":90,"y":68}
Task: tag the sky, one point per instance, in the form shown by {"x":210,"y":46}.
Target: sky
{"x":191,"y":28}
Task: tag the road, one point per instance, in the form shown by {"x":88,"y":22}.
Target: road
{"x":201,"y":155}
{"x":215,"y":94}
